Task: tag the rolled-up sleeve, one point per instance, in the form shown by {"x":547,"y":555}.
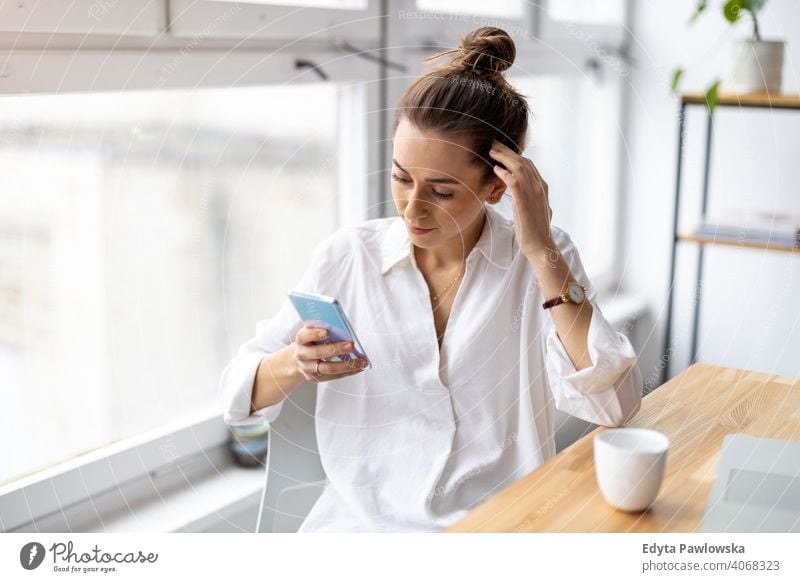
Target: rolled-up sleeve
{"x":609,"y":392}
{"x":237,"y":379}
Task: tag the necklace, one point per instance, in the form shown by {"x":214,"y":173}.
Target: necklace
{"x":443,"y":291}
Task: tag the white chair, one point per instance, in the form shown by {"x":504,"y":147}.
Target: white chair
{"x":294,"y":504}
{"x":294,"y":478}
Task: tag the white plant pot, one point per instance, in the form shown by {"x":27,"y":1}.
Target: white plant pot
{"x":757,"y":66}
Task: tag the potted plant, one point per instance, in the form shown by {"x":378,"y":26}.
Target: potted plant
{"x":758,"y":64}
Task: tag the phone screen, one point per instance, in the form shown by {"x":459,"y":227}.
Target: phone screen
{"x":326,"y":312}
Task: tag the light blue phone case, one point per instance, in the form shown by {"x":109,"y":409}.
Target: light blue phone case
{"x":323,"y":311}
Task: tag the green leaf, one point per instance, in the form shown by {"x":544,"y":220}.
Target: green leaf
{"x":732,"y":9}
{"x":676,"y":78}
{"x":701,"y":5}
{"x":755,"y":5}
{"x":711,"y":97}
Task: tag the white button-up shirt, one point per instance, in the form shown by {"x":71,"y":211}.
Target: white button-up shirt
{"x":415,"y":442}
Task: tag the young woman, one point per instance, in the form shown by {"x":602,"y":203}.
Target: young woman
{"x":477,"y":326}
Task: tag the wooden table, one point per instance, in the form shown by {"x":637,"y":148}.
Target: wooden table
{"x":695,"y":409}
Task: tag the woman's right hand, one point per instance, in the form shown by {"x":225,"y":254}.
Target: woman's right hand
{"x":307,"y":354}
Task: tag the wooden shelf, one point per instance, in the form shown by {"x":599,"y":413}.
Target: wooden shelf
{"x":750,"y":244}
{"x":769,"y":100}
{"x":751,"y":101}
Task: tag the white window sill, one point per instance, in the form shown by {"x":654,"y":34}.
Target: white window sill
{"x":196,"y":494}
{"x":215,"y":492}
{"x":622,"y":310}
{"x":163,"y":480}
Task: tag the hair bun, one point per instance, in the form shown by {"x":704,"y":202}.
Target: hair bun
{"x":487,"y":50}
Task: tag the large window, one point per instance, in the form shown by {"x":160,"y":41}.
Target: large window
{"x":499,"y":8}
{"x":142,"y":234}
{"x":592,"y":11}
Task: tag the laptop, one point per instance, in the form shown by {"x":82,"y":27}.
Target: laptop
{"x":757,"y":487}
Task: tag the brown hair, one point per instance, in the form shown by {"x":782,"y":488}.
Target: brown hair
{"x":469,"y":96}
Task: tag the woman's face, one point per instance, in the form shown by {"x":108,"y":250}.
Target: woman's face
{"x":435,"y":186}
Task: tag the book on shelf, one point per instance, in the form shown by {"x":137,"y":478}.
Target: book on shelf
{"x":765,"y":226}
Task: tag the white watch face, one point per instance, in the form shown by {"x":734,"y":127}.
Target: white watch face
{"x":576,"y":293}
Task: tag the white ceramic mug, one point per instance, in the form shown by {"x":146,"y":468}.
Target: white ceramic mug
{"x":629,"y":466}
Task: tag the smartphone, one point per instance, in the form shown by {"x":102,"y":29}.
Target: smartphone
{"x":326,"y":312}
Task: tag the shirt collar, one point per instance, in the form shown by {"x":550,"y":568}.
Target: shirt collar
{"x":495,"y":242}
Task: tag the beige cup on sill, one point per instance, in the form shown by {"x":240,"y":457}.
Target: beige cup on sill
{"x":629,"y":466}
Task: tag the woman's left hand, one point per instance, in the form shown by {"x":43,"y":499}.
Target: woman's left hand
{"x":532,"y":212}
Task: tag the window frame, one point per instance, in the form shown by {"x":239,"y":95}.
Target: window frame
{"x":606,"y":33}
{"x":427,"y":29}
{"x":137,"y":60}
{"x":124,"y":464}
{"x":87,"y":17}
{"x":232,"y":20}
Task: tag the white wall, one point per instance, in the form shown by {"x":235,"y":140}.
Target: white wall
{"x":750,"y":316}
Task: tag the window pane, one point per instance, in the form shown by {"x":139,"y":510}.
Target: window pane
{"x":142,"y":235}
{"x":605,"y":12}
{"x":500,"y":8}
{"x":572,"y":139}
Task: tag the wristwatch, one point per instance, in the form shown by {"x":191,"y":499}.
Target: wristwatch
{"x":575,"y":293}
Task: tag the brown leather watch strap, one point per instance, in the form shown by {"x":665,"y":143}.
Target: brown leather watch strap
{"x":553,"y":302}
